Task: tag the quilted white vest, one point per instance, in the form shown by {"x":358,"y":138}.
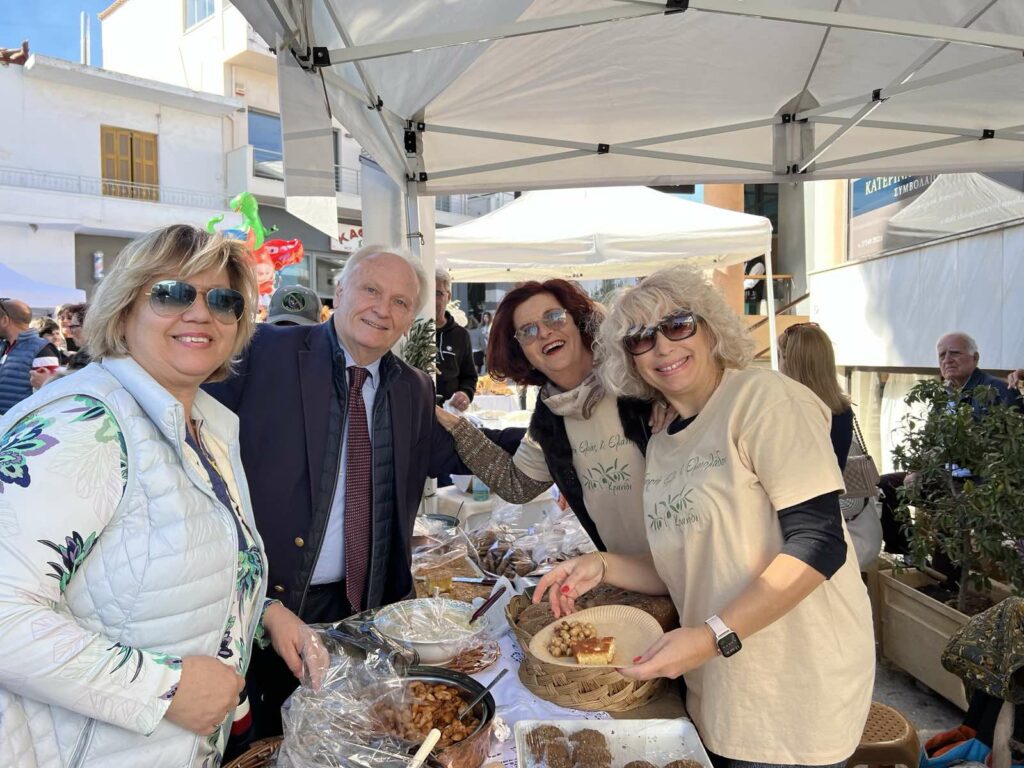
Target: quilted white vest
{"x":160,"y":576}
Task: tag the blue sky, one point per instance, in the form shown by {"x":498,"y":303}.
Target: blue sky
{"x":50,"y":26}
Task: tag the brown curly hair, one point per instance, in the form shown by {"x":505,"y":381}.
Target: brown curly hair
{"x":505,"y":358}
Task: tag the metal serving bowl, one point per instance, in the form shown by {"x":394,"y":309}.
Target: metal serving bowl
{"x":472,"y":751}
{"x":392,"y":621}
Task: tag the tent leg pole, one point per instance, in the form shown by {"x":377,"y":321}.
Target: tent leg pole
{"x":419,"y":218}
{"x":773,"y":336}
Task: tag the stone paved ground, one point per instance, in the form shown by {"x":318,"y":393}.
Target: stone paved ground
{"x":926,"y":710}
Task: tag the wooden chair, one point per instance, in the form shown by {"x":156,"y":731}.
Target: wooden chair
{"x":888,"y":740}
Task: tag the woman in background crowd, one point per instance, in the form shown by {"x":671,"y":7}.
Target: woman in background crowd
{"x":128,"y":611}
{"x":72,"y":319}
{"x":806,"y":355}
{"x":741,"y":512}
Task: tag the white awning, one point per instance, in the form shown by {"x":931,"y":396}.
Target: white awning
{"x":34,"y":293}
{"x":528,"y":94}
{"x":597,"y":233}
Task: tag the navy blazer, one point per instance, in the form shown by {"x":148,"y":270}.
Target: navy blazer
{"x":282,"y":391}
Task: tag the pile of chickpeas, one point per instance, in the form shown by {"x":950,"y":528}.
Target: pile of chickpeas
{"x":567,"y":634}
{"x":428,"y":706}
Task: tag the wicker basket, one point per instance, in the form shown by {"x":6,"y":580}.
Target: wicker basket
{"x":579,"y":688}
{"x":262,"y":754}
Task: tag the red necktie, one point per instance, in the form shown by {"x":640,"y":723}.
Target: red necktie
{"x":358,"y":492}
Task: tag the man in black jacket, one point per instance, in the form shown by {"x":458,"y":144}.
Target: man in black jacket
{"x":338,"y":436}
{"x":456,"y":372}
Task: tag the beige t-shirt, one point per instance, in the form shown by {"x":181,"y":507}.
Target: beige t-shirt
{"x":798,"y":692}
{"x":610,"y":467}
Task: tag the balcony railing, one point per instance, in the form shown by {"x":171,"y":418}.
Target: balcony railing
{"x":269,"y":164}
{"x":94,"y":185}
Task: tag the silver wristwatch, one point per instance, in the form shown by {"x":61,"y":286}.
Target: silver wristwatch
{"x":728,"y":642}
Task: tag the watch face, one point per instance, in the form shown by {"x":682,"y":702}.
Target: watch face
{"x":729,"y":644}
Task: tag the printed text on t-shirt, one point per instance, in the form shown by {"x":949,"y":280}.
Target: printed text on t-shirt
{"x":591,"y":446}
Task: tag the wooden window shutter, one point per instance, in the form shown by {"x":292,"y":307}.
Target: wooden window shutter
{"x":129,"y":163}
{"x":144,"y":166}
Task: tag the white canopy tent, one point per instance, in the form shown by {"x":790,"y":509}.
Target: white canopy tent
{"x":478,"y":96}
{"x":34,"y":293}
{"x":596,"y":233}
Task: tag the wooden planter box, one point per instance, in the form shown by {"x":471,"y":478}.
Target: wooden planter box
{"x":916,"y":629}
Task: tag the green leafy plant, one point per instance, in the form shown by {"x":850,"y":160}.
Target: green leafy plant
{"x":420,"y":347}
{"x":965,"y":496}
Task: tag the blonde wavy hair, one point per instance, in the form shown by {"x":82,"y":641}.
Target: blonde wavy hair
{"x":657,"y":295}
{"x":807,"y":356}
{"x":177,"y":251}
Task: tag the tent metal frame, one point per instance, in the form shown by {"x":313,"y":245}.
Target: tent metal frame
{"x":406,"y":142}
{"x":764,"y":9}
{"x":409,"y":149}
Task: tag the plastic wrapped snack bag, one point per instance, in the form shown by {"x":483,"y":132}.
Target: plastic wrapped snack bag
{"x":328,"y":721}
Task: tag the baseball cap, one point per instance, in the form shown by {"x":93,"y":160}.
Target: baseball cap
{"x":294,"y":305}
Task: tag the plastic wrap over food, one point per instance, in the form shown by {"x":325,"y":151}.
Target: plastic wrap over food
{"x":328,"y":721}
{"x":436,"y":628}
{"x":508,"y":547}
{"x":441,"y":548}
{"x":361,"y":704}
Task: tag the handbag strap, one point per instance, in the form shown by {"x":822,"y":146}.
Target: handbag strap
{"x":857,"y":433}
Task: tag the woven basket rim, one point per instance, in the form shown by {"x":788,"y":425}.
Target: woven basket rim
{"x":259,"y":755}
{"x":599,"y":688}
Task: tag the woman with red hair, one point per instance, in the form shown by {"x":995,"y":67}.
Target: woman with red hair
{"x":589,"y":444}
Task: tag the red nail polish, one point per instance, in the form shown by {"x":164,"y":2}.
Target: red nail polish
{"x":565,"y":589}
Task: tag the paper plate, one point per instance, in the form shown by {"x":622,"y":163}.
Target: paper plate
{"x":634,"y":631}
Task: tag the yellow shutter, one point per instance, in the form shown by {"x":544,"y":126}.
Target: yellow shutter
{"x":144,"y":166}
{"x":129,"y":163}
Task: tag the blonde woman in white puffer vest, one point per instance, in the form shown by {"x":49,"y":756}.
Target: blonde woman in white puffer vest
{"x":132,"y":577}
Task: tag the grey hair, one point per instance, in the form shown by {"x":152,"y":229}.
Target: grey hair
{"x":654,"y":297}
{"x":972,"y":345}
{"x":368,"y":251}
{"x":441,"y":275}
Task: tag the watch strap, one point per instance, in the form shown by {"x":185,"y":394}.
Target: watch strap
{"x":719,"y":627}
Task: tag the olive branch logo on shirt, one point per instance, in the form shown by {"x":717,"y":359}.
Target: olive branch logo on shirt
{"x":674,"y":509}
{"x":611,"y":477}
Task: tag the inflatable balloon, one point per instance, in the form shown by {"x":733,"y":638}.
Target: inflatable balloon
{"x":245,"y":204}
{"x":268,"y":256}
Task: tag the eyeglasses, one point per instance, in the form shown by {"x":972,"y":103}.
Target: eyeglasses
{"x":676,"y":326}
{"x":169,"y":298}
{"x":553,"y":319}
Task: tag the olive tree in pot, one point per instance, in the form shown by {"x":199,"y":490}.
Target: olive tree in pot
{"x":967,"y":485}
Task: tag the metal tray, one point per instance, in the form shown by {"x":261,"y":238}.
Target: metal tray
{"x":657,"y":741}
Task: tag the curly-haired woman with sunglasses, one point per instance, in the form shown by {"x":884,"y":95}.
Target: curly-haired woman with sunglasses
{"x":742,"y":516}
{"x":131,"y":574}
{"x":591,"y":446}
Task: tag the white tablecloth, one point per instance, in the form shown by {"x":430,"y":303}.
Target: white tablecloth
{"x":515,"y":702}
{"x":495,"y":403}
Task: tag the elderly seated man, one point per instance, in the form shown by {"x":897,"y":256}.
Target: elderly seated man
{"x":958,"y":364}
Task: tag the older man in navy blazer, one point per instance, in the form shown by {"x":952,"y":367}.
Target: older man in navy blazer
{"x":336,"y":471}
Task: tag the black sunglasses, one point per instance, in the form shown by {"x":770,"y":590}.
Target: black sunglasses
{"x":678,"y":325}
{"x":172,"y":297}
